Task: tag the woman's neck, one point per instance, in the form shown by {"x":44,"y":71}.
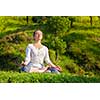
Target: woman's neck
{"x":38,"y":44}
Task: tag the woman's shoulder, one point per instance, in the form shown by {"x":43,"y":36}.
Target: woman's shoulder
{"x":45,"y":47}
{"x":30,"y":45}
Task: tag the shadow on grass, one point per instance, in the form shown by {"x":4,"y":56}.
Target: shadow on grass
{"x":93,"y":44}
{"x":74,"y":36}
{"x":94,"y":47}
{"x":85,"y":27}
{"x":10,"y":62}
{"x":20,"y":28}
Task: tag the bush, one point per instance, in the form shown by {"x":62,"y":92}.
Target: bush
{"x":15,"y":77}
{"x":52,"y":55}
{"x":57,"y":24}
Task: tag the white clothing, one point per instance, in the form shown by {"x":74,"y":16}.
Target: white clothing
{"x":36,"y":56}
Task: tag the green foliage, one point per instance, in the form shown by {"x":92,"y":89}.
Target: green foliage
{"x":57,"y":24}
{"x":60,"y":45}
{"x":72,"y":19}
{"x":3,"y":23}
{"x":77,"y":47}
{"x":83,"y":49}
{"x":52,"y":55}
{"x":57,"y":44}
{"x":12,"y":51}
{"x":15,"y":77}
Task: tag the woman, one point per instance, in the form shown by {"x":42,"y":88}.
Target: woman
{"x":36,"y":55}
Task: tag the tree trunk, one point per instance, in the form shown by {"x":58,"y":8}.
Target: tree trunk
{"x":71,"y":24}
{"x":57,"y":55}
{"x":57,"y":51}
{"x":91,"y":20}
{"x":99,"y":18}
{"x":27,"y":19}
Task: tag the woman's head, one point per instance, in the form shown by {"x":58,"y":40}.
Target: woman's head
{"x":38,"y":35}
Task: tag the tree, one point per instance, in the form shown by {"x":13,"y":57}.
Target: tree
{"x":34,"y":19}
{"x":72,"y":19}
{"x":91,"y":19}
{"x":57,"y":44}
{"x":27,"y":19}
{"x":37,"y":19}
{"x":58,"y":25}
{"x":60,"y":47}
{"x":99,"y":18}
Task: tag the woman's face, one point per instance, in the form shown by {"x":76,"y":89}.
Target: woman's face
{"x":38,"y":36}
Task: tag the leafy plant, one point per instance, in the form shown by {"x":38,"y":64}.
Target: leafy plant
{"x":57,"y":24}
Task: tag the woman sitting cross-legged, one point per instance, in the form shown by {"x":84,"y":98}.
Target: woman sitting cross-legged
{"x":36,"y":55}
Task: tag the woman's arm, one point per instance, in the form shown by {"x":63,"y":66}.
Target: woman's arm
{"x":47,"y":58}
{"x":27,"y":59}
{"x":50,"y":64}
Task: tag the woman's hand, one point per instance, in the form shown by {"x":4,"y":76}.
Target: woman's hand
{"x":23,"y":63}
{"x":59,"y":68}
{"x":55,"y":66}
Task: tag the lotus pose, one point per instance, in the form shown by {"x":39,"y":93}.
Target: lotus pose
{"x":36,"y":55}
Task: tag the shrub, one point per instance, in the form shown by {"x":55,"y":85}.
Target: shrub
{"x":15,"y":77}
{"x":57,"y":24}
